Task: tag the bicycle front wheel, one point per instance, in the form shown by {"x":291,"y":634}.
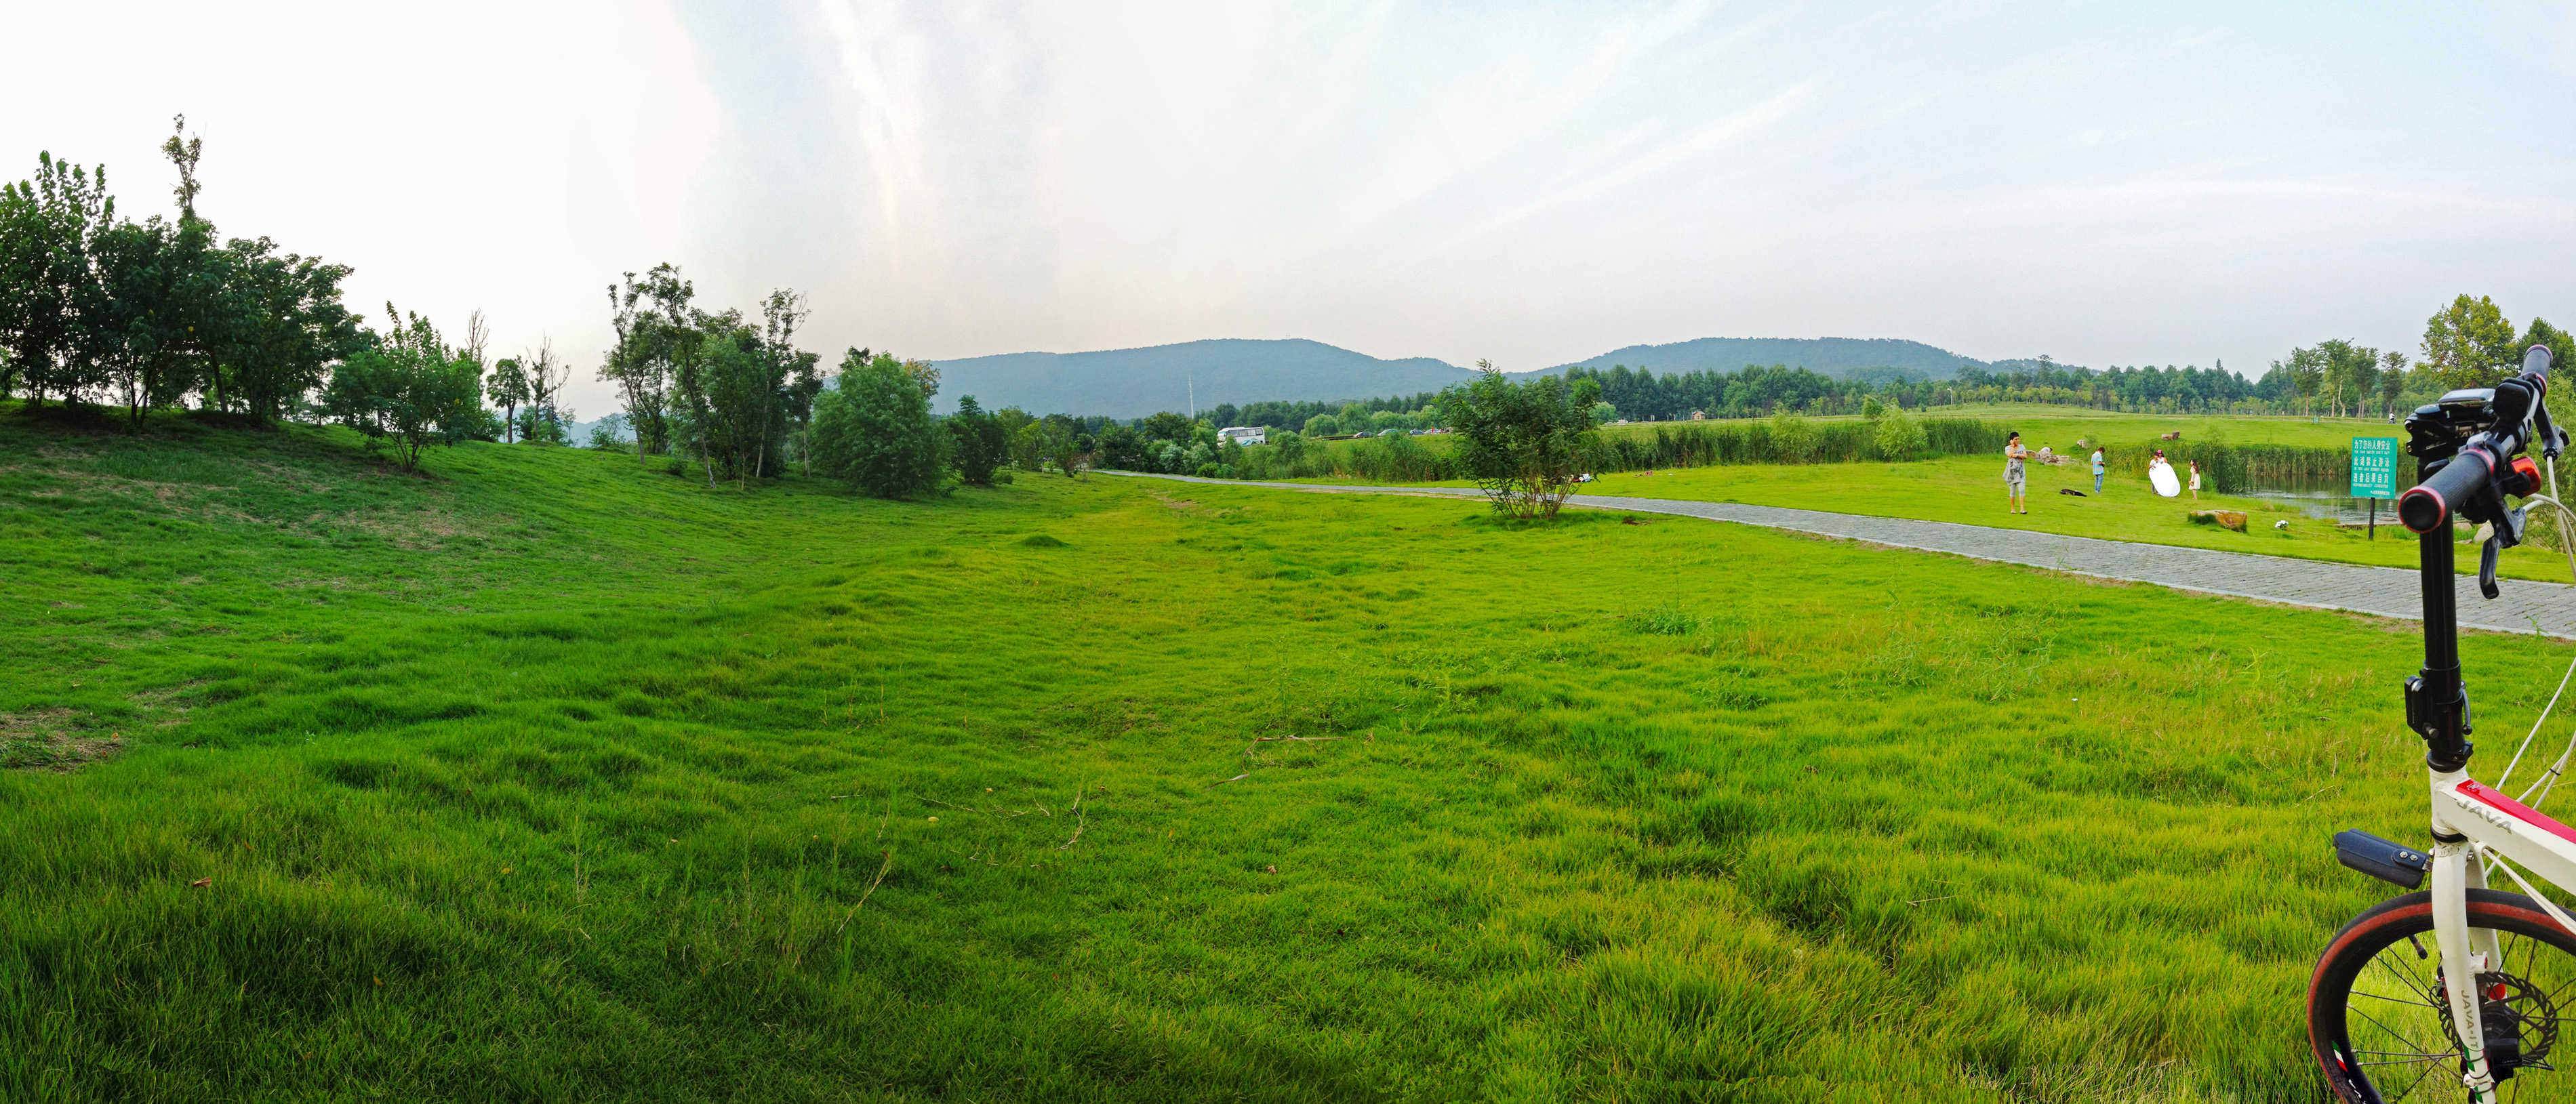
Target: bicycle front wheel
{"x":2382,"y":1031}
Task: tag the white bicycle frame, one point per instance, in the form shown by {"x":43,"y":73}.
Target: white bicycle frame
{"x":2476,"y":828}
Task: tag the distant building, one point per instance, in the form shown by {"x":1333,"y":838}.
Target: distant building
{"x":1699,"y":416}
{"x":1246,"y":435}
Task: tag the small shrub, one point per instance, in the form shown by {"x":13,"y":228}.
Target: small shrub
{"x":1662,"y":621}
{"x":1793,"y":438}
{"x":1900,"y":435}
{"x":1041,"y":540}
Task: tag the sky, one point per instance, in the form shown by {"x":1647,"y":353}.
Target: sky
{"x":1534,"y":183}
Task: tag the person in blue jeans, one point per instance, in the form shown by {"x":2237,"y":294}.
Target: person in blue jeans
{"x":2097,"y":469}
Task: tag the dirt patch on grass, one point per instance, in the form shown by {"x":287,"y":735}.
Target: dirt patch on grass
{"x":409,"y":529}
{"x":46,"y":739}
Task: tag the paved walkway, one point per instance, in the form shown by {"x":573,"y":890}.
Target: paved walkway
{"x":2545,"y":608}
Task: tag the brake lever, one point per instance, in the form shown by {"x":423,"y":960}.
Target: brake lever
{"x":2487,"y":568}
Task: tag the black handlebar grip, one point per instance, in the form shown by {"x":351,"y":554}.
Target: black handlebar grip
{"x":2536,"y":362}
{"x":2427,"y":506}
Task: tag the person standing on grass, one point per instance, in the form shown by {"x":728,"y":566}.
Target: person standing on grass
{"x":2097,"y":469}
{"x":2015,"y":502}
{"x":2195,"y":480}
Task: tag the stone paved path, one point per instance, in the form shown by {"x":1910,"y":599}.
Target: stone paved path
{"x":2546,"y":608}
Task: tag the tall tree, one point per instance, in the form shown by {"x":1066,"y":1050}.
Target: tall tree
{"x":2469,"y":343}
{"x":546,"y":376}
{"x":736,"y":385}
{"x":2392,"y":380}
{"x":2561,"y":344}
{"x":46,"y":225}
{"x":650,"y":320}
{"x":793,"y":379}
{"x":280,"y":327}
{"x":980,"y":445}
{"x":507,"y":387}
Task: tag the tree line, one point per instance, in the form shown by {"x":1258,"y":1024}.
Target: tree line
{"x":99,"y":309}
{"x":96,"y":308}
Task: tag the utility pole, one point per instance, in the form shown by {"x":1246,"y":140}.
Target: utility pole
{"x":1194,"y":395}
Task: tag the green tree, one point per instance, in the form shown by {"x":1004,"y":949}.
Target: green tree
{"x":1522,"y":443}
{"x":138,"y":316}
{"x":980,"y":445}
{"x":734,"y":383}
{"x":507,"y":387}
{"x":546,"y":376}
{"x":2561,"y":344}
{"x":279,"y":329}
{"x":2308,"y":374}
{"x":1067,"y":447}
{"x":46,"y":277}
{"x":642,"y":361}
{"x":873,"y":429}
{"x":2392,"y":379}
{"x":2469,"y":343}
{"x":1323,"y":425}
{"x":798,"y":380}
{"x":2349,"y":372}
{"x":409,"y":387}
{"x":1603,"y":413}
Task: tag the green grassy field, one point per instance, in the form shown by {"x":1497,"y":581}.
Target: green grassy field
{"x":544,"y":776}
{"x":1970,"y":489}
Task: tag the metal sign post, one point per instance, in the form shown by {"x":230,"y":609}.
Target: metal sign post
{"x":2374,"y":473}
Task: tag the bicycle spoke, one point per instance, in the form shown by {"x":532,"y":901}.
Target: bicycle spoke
{"x":2392,"y":1033}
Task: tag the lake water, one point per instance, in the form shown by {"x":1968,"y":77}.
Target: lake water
{"x":2320,"y":504}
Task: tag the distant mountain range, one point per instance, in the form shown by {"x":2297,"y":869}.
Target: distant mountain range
{"x":1131,"y":383}
{"x":1832,"y":356}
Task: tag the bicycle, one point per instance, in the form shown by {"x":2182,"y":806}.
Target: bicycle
{"x":2384,"y":1019}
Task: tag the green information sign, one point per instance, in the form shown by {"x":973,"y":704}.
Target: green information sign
{"x":2374,"y":467}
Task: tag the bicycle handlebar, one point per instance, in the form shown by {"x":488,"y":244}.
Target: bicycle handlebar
{"x":2428,"y":505}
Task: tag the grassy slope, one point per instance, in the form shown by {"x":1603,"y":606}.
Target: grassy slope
{"x":544,"y":777}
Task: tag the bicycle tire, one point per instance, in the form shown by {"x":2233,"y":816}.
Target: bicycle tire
{"x":2402,"y":1051}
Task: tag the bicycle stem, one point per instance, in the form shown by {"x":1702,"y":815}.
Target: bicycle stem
{"x":2437,"y":701}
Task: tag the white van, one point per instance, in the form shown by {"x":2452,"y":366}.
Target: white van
{"x":1246,"y":435}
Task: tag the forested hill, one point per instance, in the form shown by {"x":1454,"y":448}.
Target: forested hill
{"x":1839,"y":357}
{"x":1132,"y":383}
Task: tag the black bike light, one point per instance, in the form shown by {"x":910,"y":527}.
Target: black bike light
{"x":2385,"y":860}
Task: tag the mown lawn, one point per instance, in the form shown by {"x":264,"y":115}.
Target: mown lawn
{"x":2061,"y":426}
{"x":1970,"y":489}
{"x":547,"y":776}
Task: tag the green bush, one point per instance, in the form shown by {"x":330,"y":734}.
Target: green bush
{"x":1900,"y":434}
{"x":873,"y":430}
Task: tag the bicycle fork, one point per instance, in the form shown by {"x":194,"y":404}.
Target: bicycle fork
{"x":2467,"y":954}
